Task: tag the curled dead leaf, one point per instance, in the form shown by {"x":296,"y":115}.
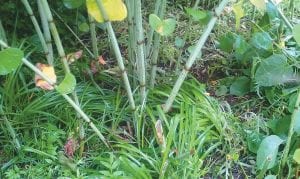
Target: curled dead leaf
{"x":48,"y":70}
{"x":101,"y":60}
{"x":72,"y":57}
{"x":159,"y":132}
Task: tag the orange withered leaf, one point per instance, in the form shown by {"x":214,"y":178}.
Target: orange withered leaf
{"x":48,"y":70}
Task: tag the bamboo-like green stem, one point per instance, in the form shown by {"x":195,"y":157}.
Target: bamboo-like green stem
{"x":140,"y":49}
{"x":285,"y":20}
{"x":2,"y":32}
{"x":93,"y":36}
{"x":154,"y":59}
{"x":156,"y":44}
{"x":291,"y":131}
{"x":38,"y":31}
{"x":118,"y":54}
{"x":46,"y":29}
{"x":151,"y":31}
{"x":70,"y":100}
{"x":63,"y":57}
{"x":55,"y":36}
{"x":194,"y":55}
{"x":292,"y":8}
{"x":131,"y":39}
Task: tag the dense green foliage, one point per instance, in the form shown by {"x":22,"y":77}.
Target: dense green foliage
{"x":128,"y":106}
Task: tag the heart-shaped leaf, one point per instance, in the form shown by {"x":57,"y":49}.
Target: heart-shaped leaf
{"x":273,"y":71}
{"x":262,"y":41}
{"x":163,"y":27}
{"x":267,"y":152}
{"x":296,"y":33}
{"x":10,"y":59}
{"x":73,"y":4}
{"x":115,"y":9}
{"x":67,"y":85}
{"x":240,"y":86}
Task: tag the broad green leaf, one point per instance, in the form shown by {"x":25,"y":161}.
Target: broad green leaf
{"x":10,"y":59}
{"x":253,"y":141}
{"x":115,"y":9}
{"x":296,"y":156}
{"x":262,"y":41}
{"x":227,"y":41}
{"x":73,"y":4}
{"x":196,"y":14}
{"x":260,"y":5}
{"x":84,"y":27}
{"x":280,"y":126}
{"x":222,"y":90}
{"x":267,"y":152}
{"x":296,"y":33}
{"x":67,"y":85}
{"x":240,"y":86}
{"x":163,"y":27}
{"x":239,"y":13}
{"x":273,"y":71}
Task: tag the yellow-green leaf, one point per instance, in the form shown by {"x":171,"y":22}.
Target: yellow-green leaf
{"x":259,"y":4}
{"x":115,"y":9}
{"x":67,"y":85}
{"x":239,"y":13}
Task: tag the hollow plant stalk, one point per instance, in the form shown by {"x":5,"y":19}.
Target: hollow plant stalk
{"x":295,"y":115}
{"x":63,"y":58}
{"x":156,"y":44}
{"x":151,"y":30}
{"x":70,"y":100}
{"x":194,"y":55}
{"x":46,"y":29}
{"x":131,"y":37}
{"x":285,"y":20}
{"x":140,"y":48}
{"x":93,"y":36}
{"x":38,"y":31}
{"x":117,"y":52}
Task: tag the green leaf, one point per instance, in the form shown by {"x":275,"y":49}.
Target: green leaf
{"x":296,"y":156}
{"x":196,"y":14}
{"x":267,"y":152}
{"x":179,"y":42}
{"x":239,"y":13}
{"x":273,"y":71}
{"x":67,"y":85}
{"x":10,"y":59}
{"x":84,"y":27}
{"x":227,"y":41}
{"x":262,"y":40}
{"x":240,"y":86}
{"x":260,"y":5}
{"x":222,"y":90}
{"x":163,"y":27}
{"x":253,"y":141}
{"x":73,"y":4}
{"x":296,"y":33}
